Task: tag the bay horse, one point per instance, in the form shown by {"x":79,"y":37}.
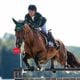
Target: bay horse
{"x":35,"y":46}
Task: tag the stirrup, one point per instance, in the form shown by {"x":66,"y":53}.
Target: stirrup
{"x":57,"y":46}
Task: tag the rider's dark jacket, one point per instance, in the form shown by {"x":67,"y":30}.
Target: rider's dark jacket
{"x":38,"y":21}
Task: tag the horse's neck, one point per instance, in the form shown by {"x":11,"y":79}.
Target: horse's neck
{"x":38,"y":36}
{"x":28,"y":37}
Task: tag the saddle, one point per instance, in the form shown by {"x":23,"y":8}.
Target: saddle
{"x":44,"y":37}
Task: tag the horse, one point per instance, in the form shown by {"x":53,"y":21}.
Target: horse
{"x":35,"y":47}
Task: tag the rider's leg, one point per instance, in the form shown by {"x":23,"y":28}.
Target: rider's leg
{"x":53,"y":40}
{"x":49,"y":36}
{"x":44,"y":29}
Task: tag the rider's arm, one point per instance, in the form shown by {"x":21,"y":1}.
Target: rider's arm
{"x":40,"y":21}
{"x":28,"y":20}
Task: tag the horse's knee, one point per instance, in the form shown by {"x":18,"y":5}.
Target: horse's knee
{"x":37,"y":57}
{"x":24,"y":59}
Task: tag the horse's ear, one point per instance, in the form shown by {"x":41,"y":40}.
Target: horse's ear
{"x":14,"y":21}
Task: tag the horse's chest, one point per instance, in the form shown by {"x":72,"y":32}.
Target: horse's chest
{"x":35,"y":50}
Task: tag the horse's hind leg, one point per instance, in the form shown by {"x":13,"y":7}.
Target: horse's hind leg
{"x":52,"y":64}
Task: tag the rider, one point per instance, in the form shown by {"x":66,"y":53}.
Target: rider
{"x":36,"y":20}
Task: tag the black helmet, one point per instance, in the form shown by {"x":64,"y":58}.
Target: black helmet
{"x":32,"y":7}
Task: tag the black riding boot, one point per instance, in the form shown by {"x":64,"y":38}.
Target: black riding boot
{"x":51,"y":38}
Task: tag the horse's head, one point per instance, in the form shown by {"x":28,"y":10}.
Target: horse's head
{"x":18,"y":32}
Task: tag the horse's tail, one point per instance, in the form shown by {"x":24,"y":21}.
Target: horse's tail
{"x":72,"y":60}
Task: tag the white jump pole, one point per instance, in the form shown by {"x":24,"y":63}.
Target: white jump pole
{"x":22,"y":51}
{"x":20,"y":60}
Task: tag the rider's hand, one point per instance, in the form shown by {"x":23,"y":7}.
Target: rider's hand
{"x":39,"y":28}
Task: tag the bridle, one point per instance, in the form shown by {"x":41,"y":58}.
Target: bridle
{"x":20,"y":38}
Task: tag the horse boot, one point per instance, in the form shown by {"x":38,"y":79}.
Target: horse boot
{"x":51,"y":38}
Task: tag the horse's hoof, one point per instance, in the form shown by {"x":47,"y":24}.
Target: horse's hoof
{"x":54,"y":71}
{"x":66,"y":66}
{"x":39,"y":69}
{"x":42,"y":69}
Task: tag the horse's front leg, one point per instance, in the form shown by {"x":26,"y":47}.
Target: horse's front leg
{"x":36,"y":59}
{"x":25,"y":60}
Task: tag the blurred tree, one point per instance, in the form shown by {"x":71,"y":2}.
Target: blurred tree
{"x":9,"y":41}
{"x":9,"y":61}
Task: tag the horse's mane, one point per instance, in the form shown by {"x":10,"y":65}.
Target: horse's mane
{"x":35,"y":30}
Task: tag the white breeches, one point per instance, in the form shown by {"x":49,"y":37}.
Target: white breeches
{"x":44,"y":29}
